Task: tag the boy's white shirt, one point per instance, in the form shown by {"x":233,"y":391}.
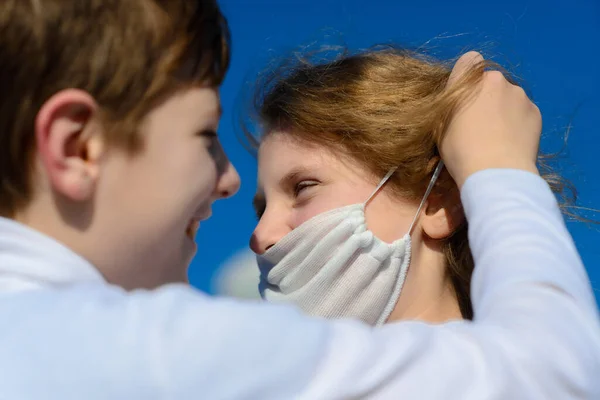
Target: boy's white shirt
{"x":66,"y":334}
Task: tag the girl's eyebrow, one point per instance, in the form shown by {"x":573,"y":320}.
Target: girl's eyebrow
{"x":289,"y":179}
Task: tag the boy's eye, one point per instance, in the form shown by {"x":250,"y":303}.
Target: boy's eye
{"x":301,"y":186}
{"x":209,"y":134}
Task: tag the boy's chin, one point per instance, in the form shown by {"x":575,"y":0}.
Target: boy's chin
{"x":175,"y":275}
{"x":172,"y":280}
{"x":180,"y":276}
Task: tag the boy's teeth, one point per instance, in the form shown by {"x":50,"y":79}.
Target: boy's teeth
{"x":191,"y":229}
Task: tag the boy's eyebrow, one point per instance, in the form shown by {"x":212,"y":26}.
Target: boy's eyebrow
{"x":215,"y":114}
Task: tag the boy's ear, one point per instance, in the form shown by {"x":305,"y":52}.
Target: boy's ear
{"x":443,"y":215}
{"x":69,"y":143}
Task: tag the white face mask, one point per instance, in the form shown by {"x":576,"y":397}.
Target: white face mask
{"x":332,"y":266}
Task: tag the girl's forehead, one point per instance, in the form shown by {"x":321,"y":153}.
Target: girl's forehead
{"x":279,"y":152}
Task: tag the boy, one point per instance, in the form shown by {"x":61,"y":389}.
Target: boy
{"x":109,"y":160}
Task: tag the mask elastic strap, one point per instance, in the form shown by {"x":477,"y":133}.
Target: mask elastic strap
{"x":434,"y":178}
{"x":383,"y":181}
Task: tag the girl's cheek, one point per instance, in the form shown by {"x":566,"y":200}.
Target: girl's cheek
{"x":311,"y":209}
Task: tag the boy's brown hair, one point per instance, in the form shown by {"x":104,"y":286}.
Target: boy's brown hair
{"x":128,"y":55}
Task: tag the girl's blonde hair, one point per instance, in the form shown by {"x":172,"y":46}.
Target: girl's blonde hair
{"x":384,"y":107}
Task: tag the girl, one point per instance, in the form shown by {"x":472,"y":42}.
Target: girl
{"x":357,"y":216}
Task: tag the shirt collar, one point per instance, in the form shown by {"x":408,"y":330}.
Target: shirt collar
{"x":29,"y":258}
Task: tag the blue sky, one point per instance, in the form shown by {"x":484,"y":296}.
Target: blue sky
{"x":552,"y":45}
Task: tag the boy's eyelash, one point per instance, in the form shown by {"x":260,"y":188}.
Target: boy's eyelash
{"x":209,"y":133}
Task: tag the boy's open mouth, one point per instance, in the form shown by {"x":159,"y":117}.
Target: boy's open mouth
{"x":192,"y":228}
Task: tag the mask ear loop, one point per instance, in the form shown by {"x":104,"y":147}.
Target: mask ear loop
{"x":434,"y":178}
{"x":383,"y":182}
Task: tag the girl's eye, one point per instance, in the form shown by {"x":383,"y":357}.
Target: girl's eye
{"x":301,"y":186}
